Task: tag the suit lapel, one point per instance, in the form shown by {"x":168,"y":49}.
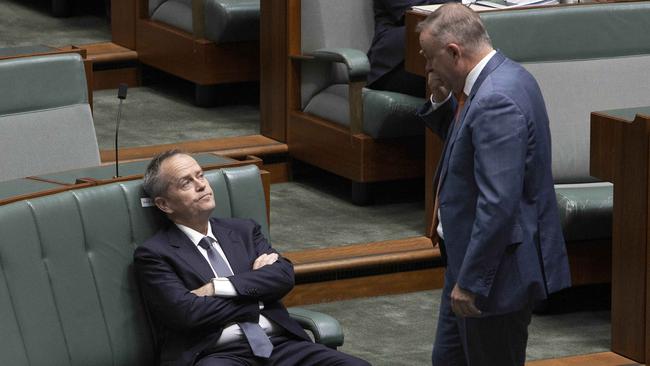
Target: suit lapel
{"x":232,"y":247}
{"x":494,"y":62}
{"x":187,"y":252}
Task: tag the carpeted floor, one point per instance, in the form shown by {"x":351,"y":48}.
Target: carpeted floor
{"x":399,"y":330}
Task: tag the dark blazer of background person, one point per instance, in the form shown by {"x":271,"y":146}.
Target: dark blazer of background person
{"x":169,"y":265}
{"x":386,"y":53}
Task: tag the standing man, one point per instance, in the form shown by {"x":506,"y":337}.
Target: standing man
{"x":213,"y":286}
{"x":496,"y":215}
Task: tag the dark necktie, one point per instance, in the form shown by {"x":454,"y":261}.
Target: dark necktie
{"x":257,"y":339}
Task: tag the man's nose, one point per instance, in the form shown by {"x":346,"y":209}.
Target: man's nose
{"x":200,"y":184}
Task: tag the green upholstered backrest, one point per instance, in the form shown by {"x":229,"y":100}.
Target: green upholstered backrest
{"x":67,"y":290}
{"x":45,"y":118}
{"x":585,"y":58}
{"x":571,"y":32}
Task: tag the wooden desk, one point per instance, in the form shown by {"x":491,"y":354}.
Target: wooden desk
{"x":620,"y":153}
{"x":130,"y":170}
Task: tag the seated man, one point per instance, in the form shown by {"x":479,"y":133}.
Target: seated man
{"x":213,"y":286}
{"x":386,"y":54}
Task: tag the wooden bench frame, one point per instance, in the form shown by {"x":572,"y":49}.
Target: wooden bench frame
{"x":192,"y":57}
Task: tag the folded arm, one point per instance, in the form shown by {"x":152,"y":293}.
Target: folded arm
{"x":176,"y":306}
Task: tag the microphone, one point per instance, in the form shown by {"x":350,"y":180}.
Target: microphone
{"x":121,"y":95}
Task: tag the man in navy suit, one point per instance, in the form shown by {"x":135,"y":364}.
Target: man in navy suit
{"x":203,"y":317}
{"x":496,"y":214}
{"x":386,"y":53}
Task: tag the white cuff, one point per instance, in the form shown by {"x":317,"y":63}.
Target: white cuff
{"x":223,"y":287}
{"x":435,"y":105}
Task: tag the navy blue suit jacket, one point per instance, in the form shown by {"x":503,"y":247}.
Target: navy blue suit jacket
{"x":169,"y":266}
{"x":497,"y":201}
{"x":388,"y":45}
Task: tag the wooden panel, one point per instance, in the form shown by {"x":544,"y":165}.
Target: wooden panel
{"x":590,"y":262}
{"x":413,"y":61}
{"x":355,"y":250}
{"x":234,"y":147}
{"x":197,"y":60}
{"x":280,"y":172}
{"x":385,"y":284}
{"x":266,"y":184}
{"x":273,"y":68}
{"x":630,"y":225}
{"x":594,"y":359}
{"x":603,"y":148}
{"x":620,"y":154}
{"x":111,"y":79}
{"x":108,"y":52}
{"x":123,"y":22}
{"x":356,"y":157}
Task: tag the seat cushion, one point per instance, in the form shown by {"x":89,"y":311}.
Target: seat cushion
{"x":225,"y":20}
{"x":585,"y":210}
{"x":385,"y":114}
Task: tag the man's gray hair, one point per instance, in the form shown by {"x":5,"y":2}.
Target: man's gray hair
{"x":155,"y":185}
{"x":456,"y":23}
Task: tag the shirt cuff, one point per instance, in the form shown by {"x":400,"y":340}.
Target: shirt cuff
{"x":223,"y":287}
{"x":435,"y":105}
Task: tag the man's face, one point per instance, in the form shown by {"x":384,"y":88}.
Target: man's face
{"x":189,"y":195}
{"x":440,"y":58}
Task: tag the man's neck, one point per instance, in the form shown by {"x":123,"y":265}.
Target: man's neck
{"x":473,"y":60}
{"x":200,"y":225}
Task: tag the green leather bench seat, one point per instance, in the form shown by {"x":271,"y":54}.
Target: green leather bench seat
{"x":585,"y":210}
{"x":126,"y":169}
{"x":585,"y":58}
{"x":18,"y":187}
{"x":68,"y":295}
{"x":386,"y":114}
{"x":225,"y":20}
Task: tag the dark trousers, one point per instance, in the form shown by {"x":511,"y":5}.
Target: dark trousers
{"x":486,"y":341}
{"x":286,"y":352}
{"x":400,"y":81}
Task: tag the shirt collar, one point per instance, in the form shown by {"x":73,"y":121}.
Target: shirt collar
{"x":195,"y":236}
{"x":476,"y":71}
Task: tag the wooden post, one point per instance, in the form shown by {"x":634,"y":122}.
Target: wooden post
{"x":620,"y":154}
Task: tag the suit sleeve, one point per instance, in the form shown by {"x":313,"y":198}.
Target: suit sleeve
{"x":438,"y":120}
{"x":172,"y":303}
{"x":500,"y":139}
{"x":269,"y":283}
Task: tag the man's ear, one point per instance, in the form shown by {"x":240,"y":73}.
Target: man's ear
{"x":454,"y":50}
{"x":162,"y":205}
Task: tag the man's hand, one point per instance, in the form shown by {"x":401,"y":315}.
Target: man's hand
{"x":462,"y":303}
{"x":205,"y":290}
{"x":438,"y":88}
{"x":265,"y":260}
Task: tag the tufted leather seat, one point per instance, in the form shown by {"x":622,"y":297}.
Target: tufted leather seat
{"x":68,"y":295}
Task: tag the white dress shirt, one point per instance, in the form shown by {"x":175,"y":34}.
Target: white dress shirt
{"x":222,"y":285}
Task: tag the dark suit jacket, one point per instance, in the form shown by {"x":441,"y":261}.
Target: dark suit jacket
{"x":169,"y":266}
{"x":497,"y":201}
{"x":387,"y":48}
